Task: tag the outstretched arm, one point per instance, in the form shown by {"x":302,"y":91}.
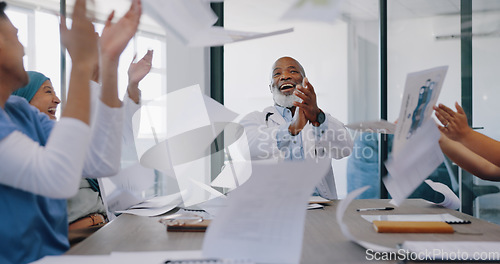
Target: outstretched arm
{"x":114,"y":39}
{"x":469,"y":160}
{"x":455,"y":127}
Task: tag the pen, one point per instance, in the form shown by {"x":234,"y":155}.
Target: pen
{"x":375,"y":209}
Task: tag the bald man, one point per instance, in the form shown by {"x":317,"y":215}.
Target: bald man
{"x":295,"y":128}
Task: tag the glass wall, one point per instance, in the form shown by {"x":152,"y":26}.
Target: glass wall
{"x":486,"y":95}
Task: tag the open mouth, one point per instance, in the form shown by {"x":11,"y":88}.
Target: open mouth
{"x":52,"y":111}
{"x":287,"y":86}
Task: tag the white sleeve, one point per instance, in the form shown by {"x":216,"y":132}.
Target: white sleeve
{"x":54,"y":170}
{"x":261,"y":140}
{"x":333,"y":137}
{"x":129,"y":152}
{"x":103,"y":156}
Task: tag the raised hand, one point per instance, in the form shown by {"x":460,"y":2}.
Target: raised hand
{"x":138,"y":70}
{"x":308,"y":104}
{"x":455,"y":124}
{"x":115,"y":37}
{"x":80,"y":40}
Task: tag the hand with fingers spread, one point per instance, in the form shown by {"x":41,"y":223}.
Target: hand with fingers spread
{"x":455,"y":124}
{"x":115,"y":37}
{"x":136,"y":72}
{"x":308,"y":104}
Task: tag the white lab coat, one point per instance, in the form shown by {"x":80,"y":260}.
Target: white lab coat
{"x":335,"y":143}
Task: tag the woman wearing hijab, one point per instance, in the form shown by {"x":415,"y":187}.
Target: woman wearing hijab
{"x":40,"y":93}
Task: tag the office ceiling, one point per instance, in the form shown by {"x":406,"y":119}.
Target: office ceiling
{"x":273,"y":9}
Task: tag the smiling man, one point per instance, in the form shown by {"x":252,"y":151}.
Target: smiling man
{"x":295,"y":128}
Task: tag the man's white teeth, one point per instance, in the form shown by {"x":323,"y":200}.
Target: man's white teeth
{"x":286,"y":86}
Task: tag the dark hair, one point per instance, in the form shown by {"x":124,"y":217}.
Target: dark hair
{"x":2,"y":9}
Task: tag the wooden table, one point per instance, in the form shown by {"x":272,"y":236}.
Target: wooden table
{"x":323,"y":239}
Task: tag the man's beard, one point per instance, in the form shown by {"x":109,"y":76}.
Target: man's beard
{"x":284,"y":100}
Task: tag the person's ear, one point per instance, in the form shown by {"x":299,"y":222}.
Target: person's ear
{"x":270,"y":88}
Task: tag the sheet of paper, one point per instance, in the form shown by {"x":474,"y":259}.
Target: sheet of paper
{"x":156,"y":257}
{"x":314,"y":10}
{"x":420,"y":95}
{"x":414,"y":217}
{"x":155,"y":206}
{"x":149,"y":211}
{"x":233,"y":174}
{"x":451,"y":200}
{"x":192,"y":22}
{"x":159,"y":201}
{"x":454,"y":250}
{"x":189,"y":135}
{"x":415,"y":161}
{"x":65,"y":259}
{"x":127,"y":187}
{"x":264,"y":218}
{"x":318,"y":199}
{"x":381,"y":126}
{"x":315,"y":206}
{"x":341,"y":209}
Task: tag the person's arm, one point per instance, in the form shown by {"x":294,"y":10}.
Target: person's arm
{"x":469,"y":160}
{"x":103,"y":158}
{"x":81,"y":44}
{"x":456,"y":128}
{"x":54,"y":170}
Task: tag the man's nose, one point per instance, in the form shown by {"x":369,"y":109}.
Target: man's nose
{"x":285,"y":76}
{"x":56,"y":100}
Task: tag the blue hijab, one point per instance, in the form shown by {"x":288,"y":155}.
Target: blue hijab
{"x":36,"y":81}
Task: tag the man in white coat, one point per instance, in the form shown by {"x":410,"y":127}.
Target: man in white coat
{"x":295,"y":128}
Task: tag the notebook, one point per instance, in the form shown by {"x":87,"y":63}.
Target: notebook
{"x":411,"y":227}
{"x":448,"y":218}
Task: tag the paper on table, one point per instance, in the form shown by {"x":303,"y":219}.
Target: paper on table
{"x":341,"y":209}
{"x":318,"y":199}
{"x":155,"y":206}
{"x":415,"y":161}
{"x":192,"y":23}
{"x":65,"y":259}
{"x":451,"y":200}
{"x":312,"y":206}
{"x":381,"y":126}
{"x":264,"y":218}
{"x":420,"y":95}
{"x":414,"y":217}
{"x":453,"y":250}
{"x":149,"y":211}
